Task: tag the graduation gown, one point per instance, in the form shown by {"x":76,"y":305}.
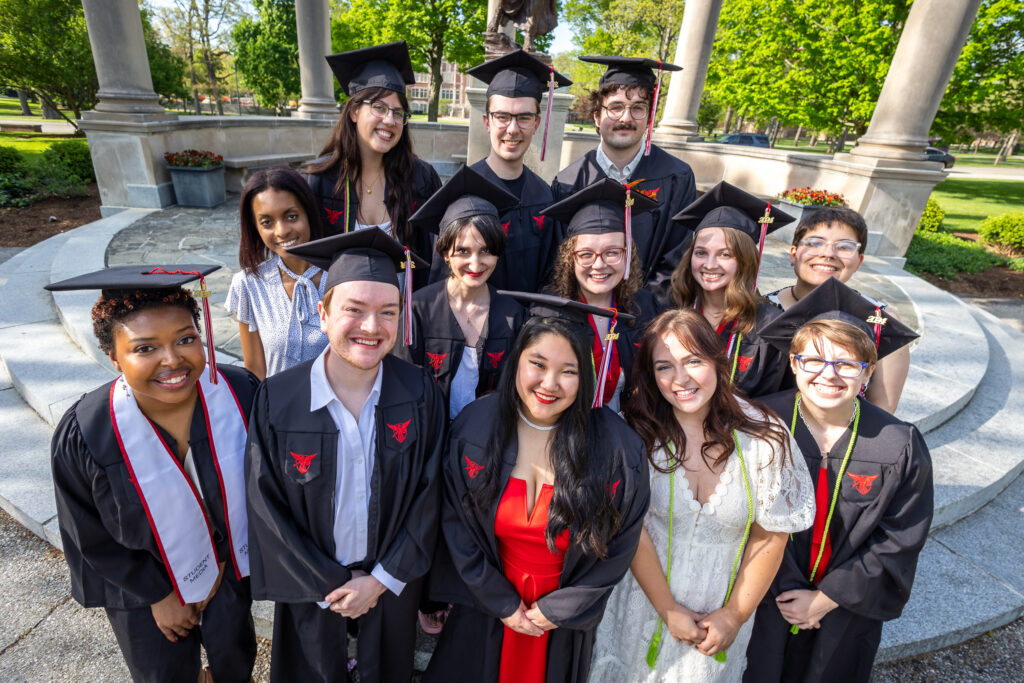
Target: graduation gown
{"x":760,"y":366}
{"x":664,"y":178}
{"x":332,"y":207}
{"x":470,"y":645}
{"x":628,"y":344}
{"x":439,"y":342}
{"x":113,"y":556}
{"x":291,"y":521}
{"x":880,"y":524}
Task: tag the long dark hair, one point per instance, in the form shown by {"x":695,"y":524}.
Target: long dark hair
{"x":251,"y":249}
{"x":565,"y":284}
{"x":647,"y":411}
{"x":580,"y":501}
{"x":342,"y":152}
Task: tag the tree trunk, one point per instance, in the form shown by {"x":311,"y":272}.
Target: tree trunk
{"x":728,"y":118}
{"x":435,"y":82}
{"x":1007,"y":149}
{"x":23,"y":101}
{"x":739,"y":124}
{"x":796,"y":138}
{"x":814,"y":139}
{"x":49,"y":112}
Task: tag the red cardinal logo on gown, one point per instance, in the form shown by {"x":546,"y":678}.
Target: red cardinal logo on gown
{"x":333,"y":216}
{"x":495,"y":357}
{"x":436,"y":359}
{"x":302,"y":462}
{"x":745,"y":362}
{"x":862,"y":482}
{"x":472,"y":468}
{"x":400,"y":431}
{"x":653,"y":194}
{"x":614,"y":487}
{"x":539,"y":220}
{"x":504,"y":226}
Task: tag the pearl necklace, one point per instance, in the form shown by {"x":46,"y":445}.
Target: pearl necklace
{"x":538,"y":427}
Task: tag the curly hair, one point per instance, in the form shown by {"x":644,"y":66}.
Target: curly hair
{"x":565,"y":284}
{"x":651,"y":416}
{"x":596,"y":98}
{"x":114,"y":306}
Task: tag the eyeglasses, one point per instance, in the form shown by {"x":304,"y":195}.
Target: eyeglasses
{"x":587,"y":257}
{"x":844,"y":249}
{"x":638,"y":110}
{"x":504,"y":118}
{"x":380,"y":110}
{"x":847,"y":369}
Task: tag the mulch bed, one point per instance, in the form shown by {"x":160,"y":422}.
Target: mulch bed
{"x":23,"y":227}
{"x":996,"y":282}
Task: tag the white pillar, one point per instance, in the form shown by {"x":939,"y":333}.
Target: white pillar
{"x":313,"y":26}
{"x":693,"y":52}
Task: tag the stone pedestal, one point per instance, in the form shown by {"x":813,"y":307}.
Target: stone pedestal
{"x":313,"y":25}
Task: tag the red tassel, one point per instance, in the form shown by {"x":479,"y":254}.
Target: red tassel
{"x":547,"y":116}
{"x":407,"y":335}
{"x":606,"y":356}
{"x":878,"y":327}
{"x":203,"y":294}
{"x":654,"y":111}
{"x":629,"y":230}
{"x":765,"y":220}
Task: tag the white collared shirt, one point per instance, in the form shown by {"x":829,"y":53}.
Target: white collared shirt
{"x":356,"y":450}
{"x":613,"y":171}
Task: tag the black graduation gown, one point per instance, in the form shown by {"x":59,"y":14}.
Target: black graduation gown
{"x":291,"y":521}
{"x":332,"y":207}
{"x":667,"y":180}
{"x":760,"y":366}
{"x":470,"y":644}
{"x":878,"y":529}
{"x":113,"y":556}
{"x":439,"y":342}
{"x":646,"y":309}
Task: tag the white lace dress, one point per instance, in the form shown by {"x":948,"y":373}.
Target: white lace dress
{"x":706,"y":539}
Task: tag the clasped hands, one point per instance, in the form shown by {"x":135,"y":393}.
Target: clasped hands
{"x":174,"y":619}
{"x":710,"y":632}
{"x":529,"y":621}
{"x":357,"y":596}
{"x":805,"y":608}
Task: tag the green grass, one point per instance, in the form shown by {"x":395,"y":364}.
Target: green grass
{"x":10,"y":109}
{"x":946,"y":256}
{"x":30,"y":144}
{"x":968,"y":201}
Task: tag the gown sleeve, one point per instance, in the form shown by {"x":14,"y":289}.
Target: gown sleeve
{"x":785,"y":494}
{"x":876,"y":581}
{"x":134,"y":576}
{"x":580,"y":606}
{"x":286,"y":564}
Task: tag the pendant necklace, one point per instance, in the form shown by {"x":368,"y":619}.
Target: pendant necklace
{"x":538,"y":427}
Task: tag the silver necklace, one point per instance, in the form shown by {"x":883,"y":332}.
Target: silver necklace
{"x":531,"y":424}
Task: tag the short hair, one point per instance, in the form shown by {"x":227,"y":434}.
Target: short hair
{"x":114,"y":306}
{"x":840,"y":333}
{"x":488,"y":226}
{"x":487,"y":105}
{"x":829,"y":215}
{"x":251,"y":249}
{"x":595,"y":100}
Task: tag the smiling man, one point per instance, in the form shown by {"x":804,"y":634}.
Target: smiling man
{"x":516,"y":84}
{"x":342,"y":477}
{"x":622,"y":108}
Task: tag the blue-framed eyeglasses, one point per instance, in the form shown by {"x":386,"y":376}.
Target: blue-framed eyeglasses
{"x":847,"y":369}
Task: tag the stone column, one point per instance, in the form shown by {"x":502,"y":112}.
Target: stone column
{"x":313,"y":25}
{"x":122,"y":66}
{"x":693,"y":52}
{"x":929,"y":47}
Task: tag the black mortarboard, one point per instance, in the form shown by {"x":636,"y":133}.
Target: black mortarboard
{"x":598,"y":208}
{"x":368,"y":255}
{"x":467,"y":193}
{"x":727,"y":206}
{"x":135,"y":277}
{"x":832,"y":300}
{"x":517,"y":74}
{"x":630,"y":71}
{"x":381,"y":66}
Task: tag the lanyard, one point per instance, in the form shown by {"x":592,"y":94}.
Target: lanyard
{"x":734,"y":343}
{"x":652,"y":651}
{"x":835,"y":491}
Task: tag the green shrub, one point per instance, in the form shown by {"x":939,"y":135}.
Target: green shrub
{"x":1007,"y":229}
{"x":74,"y":154}
{"x":1016,"y":264}
{"x":11,"y":160}
{"x":931,"y":219}
{"x":946,"y":256}
{"x":54,"y":178}
{"x":15,"y":190}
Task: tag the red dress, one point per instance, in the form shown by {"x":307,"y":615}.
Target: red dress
{"x":530,"y":567}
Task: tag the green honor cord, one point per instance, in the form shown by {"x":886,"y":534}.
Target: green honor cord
{"x":735,"y":359}
{"x":794,"y":629}
{"x":652,"y":651}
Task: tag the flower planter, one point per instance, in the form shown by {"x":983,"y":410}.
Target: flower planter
{"x":201,"y":186}
{"x":797,"y":211}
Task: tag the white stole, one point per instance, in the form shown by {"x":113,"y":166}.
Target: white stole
{"x":172,"y":505}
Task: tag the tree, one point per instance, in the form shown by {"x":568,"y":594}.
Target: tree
{"x":166,"y":68}
{"x":435,"y":30}
{"x":267,"y":52}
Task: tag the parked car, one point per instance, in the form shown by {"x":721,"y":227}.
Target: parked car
{"x":936,"y":154}
{"x":750,"y":139}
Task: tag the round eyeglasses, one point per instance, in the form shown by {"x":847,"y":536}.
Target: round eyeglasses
{"x":847,"y":369}
{"x":844,"y":249}
{"x":637,"y":110}
{"x":380,"y":110}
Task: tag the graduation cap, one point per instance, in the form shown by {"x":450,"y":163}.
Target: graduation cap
{"x":118,"y":279}
{"x":635,"y":72}
{"x":577,"y":315}
{"x":832,"y":300}
{"x":602,"y":207}
{"x":367,"y":255}
{"x":520,"y":74}
{"x":381,"y":66}
{"x":466,"y":194}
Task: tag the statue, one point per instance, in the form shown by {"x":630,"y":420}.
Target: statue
{"x":532,"y":17}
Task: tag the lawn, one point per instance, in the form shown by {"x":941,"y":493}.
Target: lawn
{"x":30,"y":144}
{"x":968,"y":201}
{"x":10,"y":109}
